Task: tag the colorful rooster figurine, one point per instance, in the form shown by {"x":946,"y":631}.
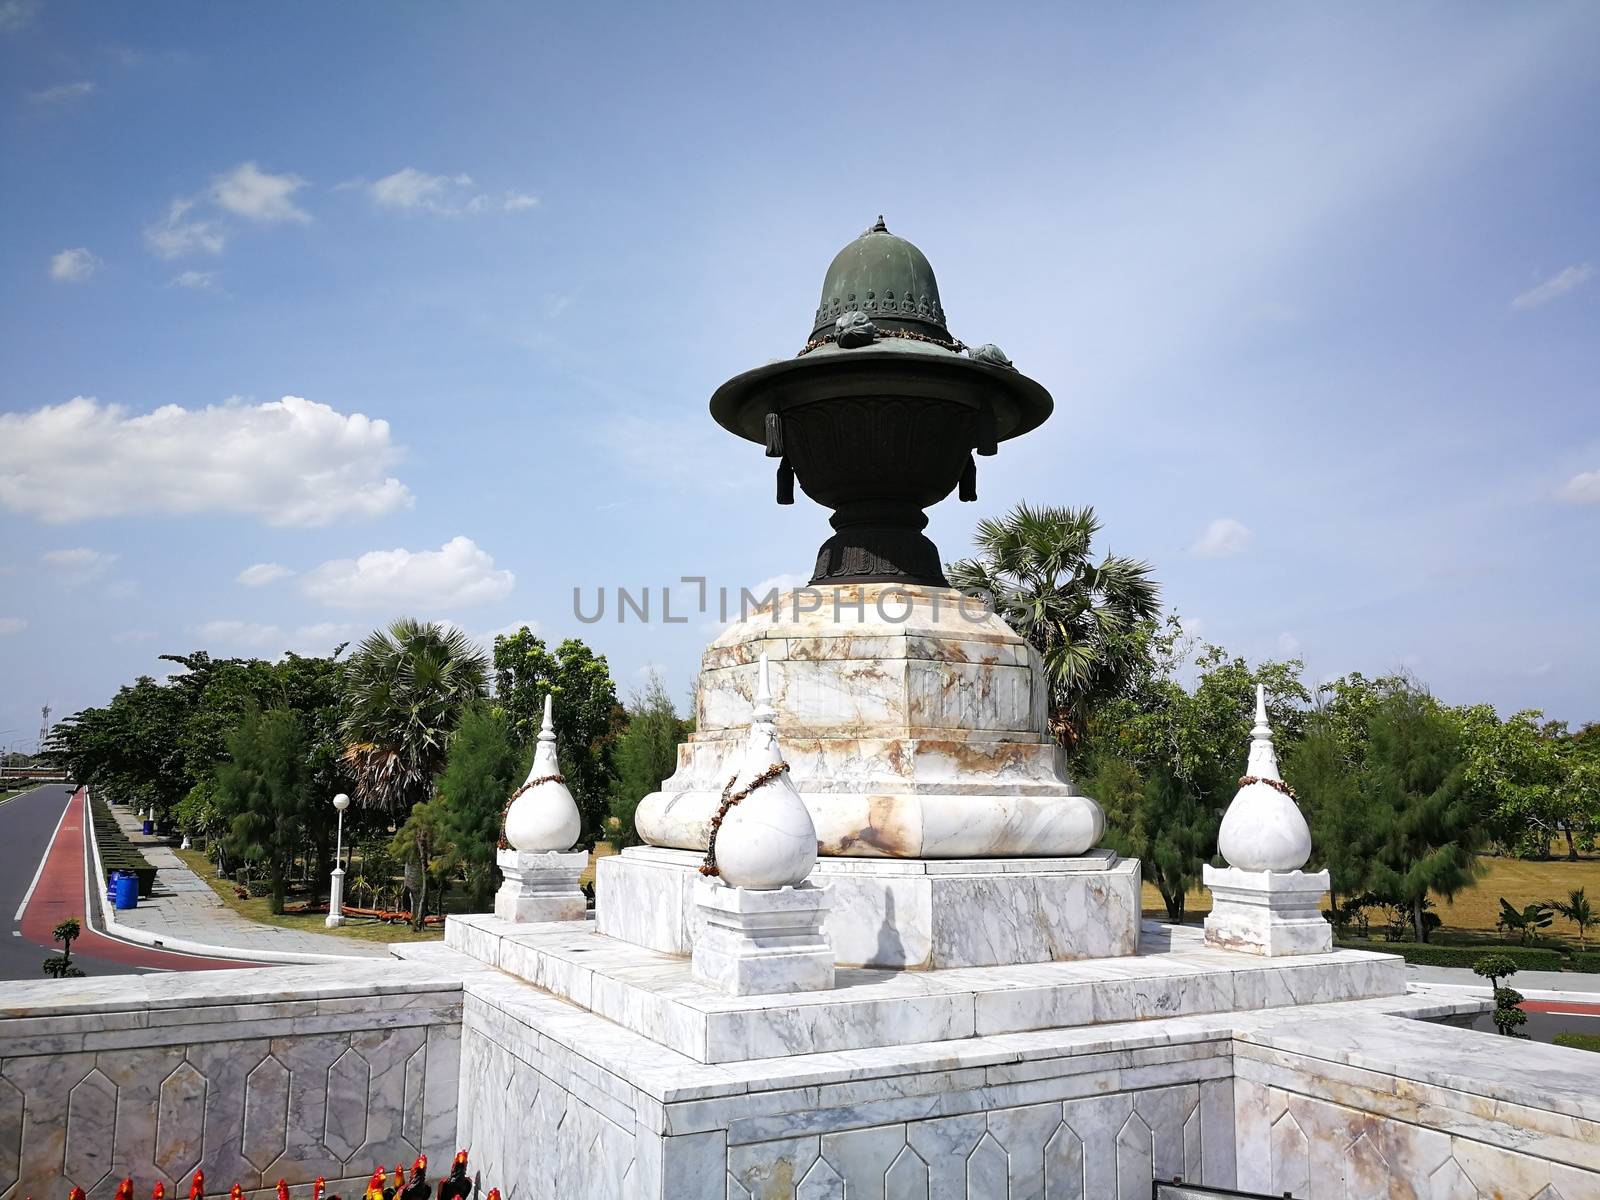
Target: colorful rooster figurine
{"x":236,"y":1192}
{"x":159,"y":1192}
{"x":375,"y":1185}
{"x":283,"y":1189}
{"x":457,"y":1186}
{"x":124,"y":1190}
{"x":318,"y":1186}
{"x":197,"y":1186}
{"x":417,"y":1186}
{"x":76,"y":1194}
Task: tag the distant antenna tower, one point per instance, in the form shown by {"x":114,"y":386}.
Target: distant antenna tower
{"x":44,"y":726}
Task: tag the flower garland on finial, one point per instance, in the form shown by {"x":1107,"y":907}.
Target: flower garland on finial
{"x":527,"y":787}
{"x":730,"y":799}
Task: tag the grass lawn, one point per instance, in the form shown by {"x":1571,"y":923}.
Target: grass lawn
{"x":1518,"y":880}
{"x":1579,"y":1041}
{"x":260,"y":909}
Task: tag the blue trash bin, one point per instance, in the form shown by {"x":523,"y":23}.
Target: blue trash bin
{"x":149,"y":828}
{"x":127,"y":891}
{"x":111,"y":886}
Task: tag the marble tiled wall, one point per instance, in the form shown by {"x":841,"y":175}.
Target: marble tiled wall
{"x":1326,"y":1129}
{"x":251,"y":1076}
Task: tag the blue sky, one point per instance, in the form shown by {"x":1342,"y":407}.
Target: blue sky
{"x":1316,"y":291}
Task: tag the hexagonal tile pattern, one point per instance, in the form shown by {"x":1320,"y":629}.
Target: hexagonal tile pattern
{"x":346,"y":1127}
{"x":1135,"y":1156}
{"x":988,"y":1172}
{"x":1291,"y":1156}
{"x":906,"y":1178}
{"x":180,"y":1120}
{"x":822,"y":1182}
{"x":1366,"y":1172}
{"x":10,"y":1135}
{"x":266,"y":1112}
{"x":1450,"y":1182}
{"x":91,"y":1124}
{"x":1063,"y":1165}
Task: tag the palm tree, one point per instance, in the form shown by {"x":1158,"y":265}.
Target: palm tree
{"x":1578,"y":910}
{"x":1089,"y":621}
{"x":406,"y":688}
{"x":1526,"y":921}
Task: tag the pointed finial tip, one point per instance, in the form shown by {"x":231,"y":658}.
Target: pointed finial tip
{"x":549,"y":711}
{"x":879,"y":226}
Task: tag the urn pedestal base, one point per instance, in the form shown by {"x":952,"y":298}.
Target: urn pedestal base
{"x":541,"y":887}
{"x":759,"y":943}
{"x":1270,"y":913}
{"x":915,"y":914}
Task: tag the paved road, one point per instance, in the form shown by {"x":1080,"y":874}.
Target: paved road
{"x":26,"y":823}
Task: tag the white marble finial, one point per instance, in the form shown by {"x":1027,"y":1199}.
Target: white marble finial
{"x":1263,"y":762}
{"x":1263,"y":829}
{"x":544,"y":816}
{"x":767,"y":840}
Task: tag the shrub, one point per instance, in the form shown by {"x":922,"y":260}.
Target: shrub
{"x":1589,"y":961}
{"x":1507,"y":1016}
{"x":1494,"y":968}
{"x":1526,"y":958}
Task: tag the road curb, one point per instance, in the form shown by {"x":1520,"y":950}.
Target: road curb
{"x":112,"y":928}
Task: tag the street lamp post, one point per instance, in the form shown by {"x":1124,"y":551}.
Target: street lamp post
{"x":336,"y":885}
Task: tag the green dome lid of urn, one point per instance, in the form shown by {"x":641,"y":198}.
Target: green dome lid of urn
{"x":886,"y":279}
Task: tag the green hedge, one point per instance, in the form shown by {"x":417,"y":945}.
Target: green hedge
{"x":1420,"y":955}
{"x":1579,"y":1041}
{"x":1588,"y":960}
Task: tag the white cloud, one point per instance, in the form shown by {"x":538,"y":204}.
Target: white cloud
{"x":447,"y":195}
{"x":1582,"y":488}
{"x":1223,"y":538}
{"x":177,"y":234}
{"x":320,"y":637}
{"x":14,"y":14}
{"x":289,"y":462}
{"x":262,"y":574}
{"x":197,"y":281}
{"x":1288,"y":645}
{"x":455,"y":575}
{"x":79,"y":564}
{"x":1558,"y":285}
{"x":248,"y":191}
{"x":10,"y":625}
{"x":73,"y":266}
{"x":62,"y":92}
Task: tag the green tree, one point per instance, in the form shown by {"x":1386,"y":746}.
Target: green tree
{"x":1526,"y":921}
{"x":1180,"y":837}
{"x":423,"y":837}
{"x":60,"y":965}
{"x":1518,"y":768}
{"x":646,"y":753}
{"x":483,"y":770}
{"x":406,"y":688}
{"x":588,"y":717}
{"x":1342,"y":833}
{"x":263,"y":792}
{"x":1090,"y":621}
{"x":1426,"y":816}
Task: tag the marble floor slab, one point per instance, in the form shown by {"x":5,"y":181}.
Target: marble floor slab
{"x":657,"y":996}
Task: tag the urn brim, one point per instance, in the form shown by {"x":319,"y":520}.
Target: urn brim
{"x":905,"y":366}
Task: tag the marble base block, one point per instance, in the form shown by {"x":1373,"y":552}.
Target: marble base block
{"x":1267,"y":912}
{"x":541,"y":887}
{"x":904,"y":913}
{"x":914,"y":722}
{"x":758,"y":943}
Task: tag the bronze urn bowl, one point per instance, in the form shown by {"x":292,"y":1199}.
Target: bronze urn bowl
{"x":879,"y":416}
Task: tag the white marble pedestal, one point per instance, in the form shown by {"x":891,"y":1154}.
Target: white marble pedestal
{"x":916,"y":914}
{"x":1270,"y":913}
{"x":759,"y":943}
{"x":541,"y":887}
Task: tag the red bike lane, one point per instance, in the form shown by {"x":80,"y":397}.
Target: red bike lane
{"x":60,"y":894}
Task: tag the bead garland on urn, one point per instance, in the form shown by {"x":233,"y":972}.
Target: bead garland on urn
{"x":536,"y":857}
{"x":763,"y":922}
{"x":767,"y":840}
{"x":1262,"y":903}
{"x":1263,"y":829}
